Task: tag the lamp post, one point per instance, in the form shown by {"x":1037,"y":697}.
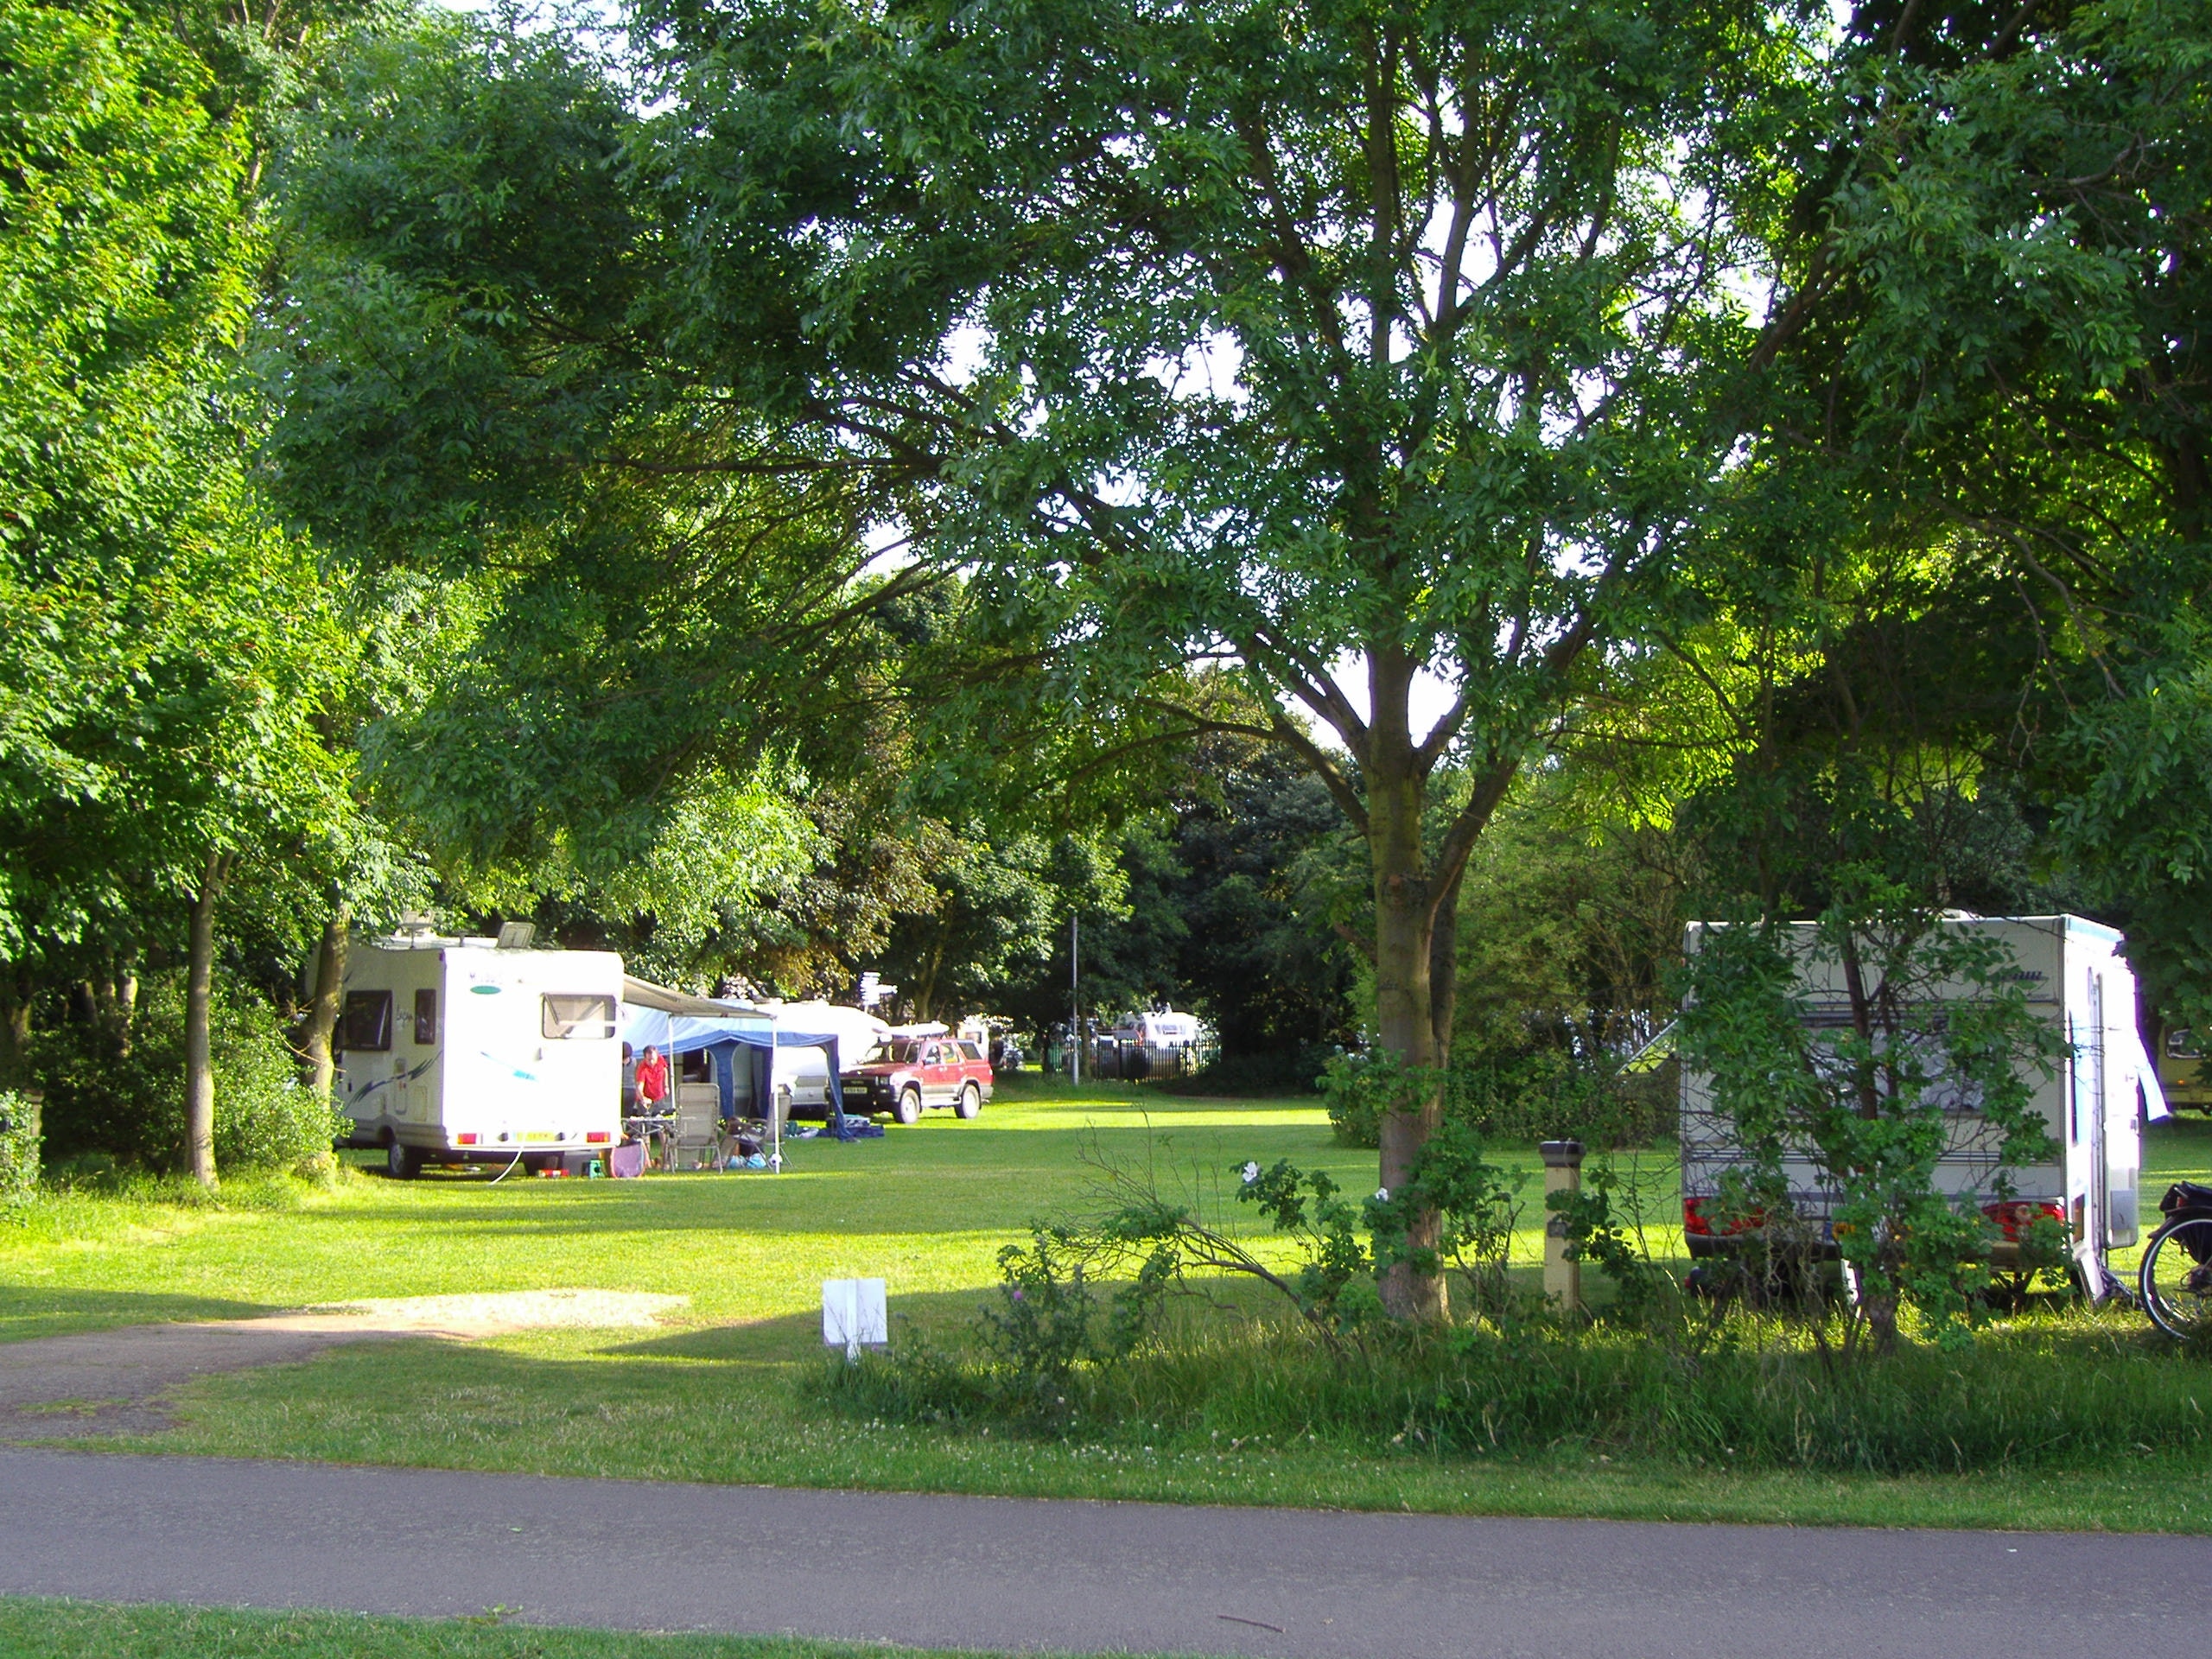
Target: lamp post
{"x":1075,"y":999}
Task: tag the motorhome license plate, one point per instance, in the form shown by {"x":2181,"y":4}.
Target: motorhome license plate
{"x":538,"y":1135}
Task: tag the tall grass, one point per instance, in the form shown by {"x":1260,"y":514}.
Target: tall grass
{"x":2043,"y":1392}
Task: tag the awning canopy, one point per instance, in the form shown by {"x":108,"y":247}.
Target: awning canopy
{"x":677,"y":1024}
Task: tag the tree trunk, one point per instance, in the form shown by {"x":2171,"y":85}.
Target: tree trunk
{"x":329,"y":997}
{"x":198,"y":1053}
{"x":1404,"y":1011}
{"x":1444,"y":967}
{"x":926,"y":993}
{"x":14,"y":1024}
{"x":114,"y":1003}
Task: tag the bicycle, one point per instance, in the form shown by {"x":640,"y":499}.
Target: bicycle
{"x":2177,"y":1271}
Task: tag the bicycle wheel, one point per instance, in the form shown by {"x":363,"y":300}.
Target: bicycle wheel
{"x":2177,"y":1276}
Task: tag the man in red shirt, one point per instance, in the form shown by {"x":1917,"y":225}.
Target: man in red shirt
{"x":652,"y":1082}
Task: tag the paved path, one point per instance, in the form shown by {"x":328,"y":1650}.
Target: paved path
{"x":1011,"y":1574}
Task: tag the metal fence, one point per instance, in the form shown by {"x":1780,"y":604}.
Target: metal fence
{"x":1112,"y":1060}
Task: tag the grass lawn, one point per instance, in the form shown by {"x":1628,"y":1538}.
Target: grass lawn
{"x":83,"y":1629}
{"x":720,"y":1395}
{"x":926,"y":1208}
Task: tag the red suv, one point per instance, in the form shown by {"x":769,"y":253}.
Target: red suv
{"x":906,"y":1074}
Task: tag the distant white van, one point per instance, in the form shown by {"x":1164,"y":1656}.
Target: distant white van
{"x":456,"y":1051}
{"x":1162,"y":1029}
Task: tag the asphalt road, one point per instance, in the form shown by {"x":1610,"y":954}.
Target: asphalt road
{"x":1016,"y":1575}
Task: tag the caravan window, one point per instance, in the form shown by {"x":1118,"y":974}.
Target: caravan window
{"x":366,"y":1027}
{"x":426,"y":1018}
{"x":589,"y":1018}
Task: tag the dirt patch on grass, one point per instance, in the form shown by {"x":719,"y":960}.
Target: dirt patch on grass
{"x":117,"y":1381}
{"x":492,"y":1315}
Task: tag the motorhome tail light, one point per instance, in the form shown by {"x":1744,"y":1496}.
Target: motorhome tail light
{"x":596,"y":1137}
{"x":468,"y":1140}
{"x":1694,"y":1220}
{"x":2013,"y":1217}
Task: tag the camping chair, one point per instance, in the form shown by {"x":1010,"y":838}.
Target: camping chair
{"x":698,"y":1131}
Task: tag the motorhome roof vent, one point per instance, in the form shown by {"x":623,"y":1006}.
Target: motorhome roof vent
{"x":517,"y":936}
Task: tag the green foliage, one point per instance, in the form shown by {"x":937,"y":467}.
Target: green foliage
{"x":1596,"y":1232}
{"x":20,"y":1144}
{"x":2139,"y":829}
{"x":1475,"y":1205}
{"x":1570,"y":920}
{"x":1358,"y":1090}
{"x":1334,"y":1284}
{"x":1542,"y":1094}
{"x":1049,"y":1323}
{"x":2040,"y":1398}
{"x":129,"y":1105}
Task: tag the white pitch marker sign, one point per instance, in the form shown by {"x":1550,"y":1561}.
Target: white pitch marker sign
{"x":855,"y":1315}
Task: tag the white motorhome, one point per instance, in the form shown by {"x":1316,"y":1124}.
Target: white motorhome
{"x":455,"y":1050}
{"x":2076,"y":980}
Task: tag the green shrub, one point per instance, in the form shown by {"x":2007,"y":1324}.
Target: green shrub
{"x":1544,"y":1094}
{"x":130,"y":1108}
{"x":1294,"y":1071}
{"x":2046,"y":1394}
{"x":20,"y":1138}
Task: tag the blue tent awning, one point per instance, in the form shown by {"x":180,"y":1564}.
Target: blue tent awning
{"x":723,"y":1035}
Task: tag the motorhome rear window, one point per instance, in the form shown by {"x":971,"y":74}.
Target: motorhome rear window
{"x":426,"y":1018}
{"x":584,"y":1018}
{"x":366,"y":1027}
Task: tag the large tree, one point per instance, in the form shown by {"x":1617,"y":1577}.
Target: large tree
{"x":163,"y":649}
{"x":1287,"y":336}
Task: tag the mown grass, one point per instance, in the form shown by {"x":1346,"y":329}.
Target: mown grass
{"x":926,"y":1208}
{"x":39,"y":1628}
{"x":737,"y":1389}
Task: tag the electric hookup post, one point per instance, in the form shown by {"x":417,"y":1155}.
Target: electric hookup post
{"x":854,"y":1316}
{"x":1562,"y":1274}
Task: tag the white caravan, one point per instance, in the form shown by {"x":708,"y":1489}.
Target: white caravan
{"x":459,"y":1051}
{"x":2075,"y":980}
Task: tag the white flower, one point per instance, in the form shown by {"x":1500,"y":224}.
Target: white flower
{"x":1251,"y":1173}
{"x":1382,"y":1195}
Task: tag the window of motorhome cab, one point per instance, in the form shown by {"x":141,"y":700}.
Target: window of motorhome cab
{"x":578,"y":1018}
{"x":426,"y":1018}
{"x":2182,"y":1044}
{"x":367,"y":1027}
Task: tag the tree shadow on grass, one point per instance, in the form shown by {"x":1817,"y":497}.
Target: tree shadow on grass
{"x":29,"y":1312}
